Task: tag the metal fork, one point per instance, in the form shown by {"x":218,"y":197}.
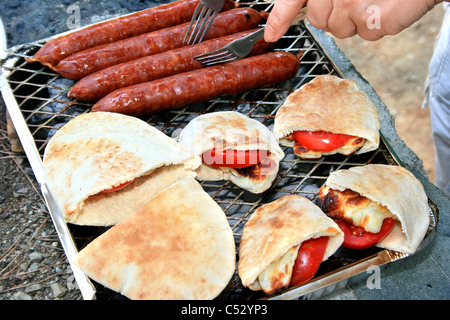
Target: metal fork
{"x":239,"y":48}
{"x":204,"y":15}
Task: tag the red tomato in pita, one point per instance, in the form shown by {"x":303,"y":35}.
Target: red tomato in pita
{"x":358,"y":238}
{"x":321,"y":140}
{"x":309,"y":258}
{"x":117,"y":188}
{"x":233,"y":158}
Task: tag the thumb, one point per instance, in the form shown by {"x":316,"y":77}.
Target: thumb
{"x":280,"y":18}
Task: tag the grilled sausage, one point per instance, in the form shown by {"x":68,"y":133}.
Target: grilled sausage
{"x":131,"y":25}
{"x":98,"y":84}
{"x":88,"y":61}
{"x":201,"y":84}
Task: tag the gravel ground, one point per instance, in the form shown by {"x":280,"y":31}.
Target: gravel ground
{"x":32,"y":262}
{"x":33,"y":265}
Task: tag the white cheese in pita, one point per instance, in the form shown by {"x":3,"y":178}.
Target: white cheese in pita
{"x":395,"y":188}
{"x":233,"y":130}
{"x":271,"y":233}
{"x":329,"y":103}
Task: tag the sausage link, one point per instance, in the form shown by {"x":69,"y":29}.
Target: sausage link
{"x":98,"y":84}
{"x":201,"y":84}
{"x":130,"y":25}
{"x":88,"y":61}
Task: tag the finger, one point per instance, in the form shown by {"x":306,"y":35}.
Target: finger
{"x":319,"y":12}
{"x":280,"y":18}
{"x":340,"y":23}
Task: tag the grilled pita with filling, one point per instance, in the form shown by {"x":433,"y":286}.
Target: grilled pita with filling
{"x":95,"y":152}
{"x":178,"y":245}
{"x":273,"y":235}
{"x":231,"y":130}
{"x":329,"y":104}
{"x":383,"y":191}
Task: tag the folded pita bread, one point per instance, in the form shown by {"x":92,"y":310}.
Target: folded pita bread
{"x":329,"y":103}
{"x":277,"y":227}
{"x":98,"y":151}
{"x":178,"y":245}
{"x":233,"y":130}
{"x":399,"y":191}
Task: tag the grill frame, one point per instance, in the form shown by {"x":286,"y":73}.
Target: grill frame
{"x":42,"y":99}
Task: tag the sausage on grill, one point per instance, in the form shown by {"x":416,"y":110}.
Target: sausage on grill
{"x":88,"y":61}
{"x":201,"y":84}
{"x":131,"y":25}
{"x":98,"y":84}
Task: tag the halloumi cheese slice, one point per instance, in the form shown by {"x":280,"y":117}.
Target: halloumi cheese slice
{"x":271,"y":238}
{"x":396,"y":189}
{"x":332,"y":104}
{"x":233,"y":130}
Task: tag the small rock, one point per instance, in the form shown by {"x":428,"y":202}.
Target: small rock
{"x":33,"y":266}
{"x":20,"y":295}
{"x":33,"y":288}
{"x":58,"y":290}
{"x":71,"y":283}
{"x":35,"y":256}
{"x":22,"y":190}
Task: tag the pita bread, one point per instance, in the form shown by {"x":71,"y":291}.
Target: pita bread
{"x":178,"y":245}
{"x":329,"y":103}
{"x":97,"y":151}
{"x":274,"y":228}
{"x":233,"y":130}
{"x":399,"y":191}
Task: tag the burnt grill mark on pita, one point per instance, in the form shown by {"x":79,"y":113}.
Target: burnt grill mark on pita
{"x":258,"y":171}
{"x":299,"y":149}
{"x":276,"y":223}
{"x":276,"y":283}
{"x":253,"y":172}
{"x":357,"y":141}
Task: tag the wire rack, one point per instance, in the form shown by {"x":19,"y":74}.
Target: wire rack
{"x":42,"y":98}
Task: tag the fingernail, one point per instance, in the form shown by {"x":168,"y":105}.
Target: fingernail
{"x":269,"y":34}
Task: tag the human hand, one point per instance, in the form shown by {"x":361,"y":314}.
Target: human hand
{"x":370,"y":19}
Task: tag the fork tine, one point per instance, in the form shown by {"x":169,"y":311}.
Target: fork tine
{"x":208,"y":25}
{"x":194,"y":18}
{"x":199,"y":18}
{"x":208,"y":54}
{"x":213,"y":62}
{"x":200,"y":30}
{"x":213,"y":55}
{"x":216,"y":57}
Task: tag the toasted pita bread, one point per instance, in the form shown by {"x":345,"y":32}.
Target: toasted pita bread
{"x":98,"y":151}
{"x":178,"y":245}
{"x":329,"y":103}
{"x":275,"y":228}
{"x":233,"y":130}
{"x":399,"y":191}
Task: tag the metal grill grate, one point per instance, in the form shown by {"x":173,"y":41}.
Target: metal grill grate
{"x":42,"y":98}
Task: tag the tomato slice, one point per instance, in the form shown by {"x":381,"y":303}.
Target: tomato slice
{"x":117,"y":188}
{"x":233,"y":158}
{"x":358,"y":238}
{"x":321,"y":140}
{"x":309,"y":258}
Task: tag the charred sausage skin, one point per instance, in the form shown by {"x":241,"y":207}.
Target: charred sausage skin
{"x":91,"y":60}
{"x":131,"y":25}
{"x":98,"y":84}
{"x":201,"y":84}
